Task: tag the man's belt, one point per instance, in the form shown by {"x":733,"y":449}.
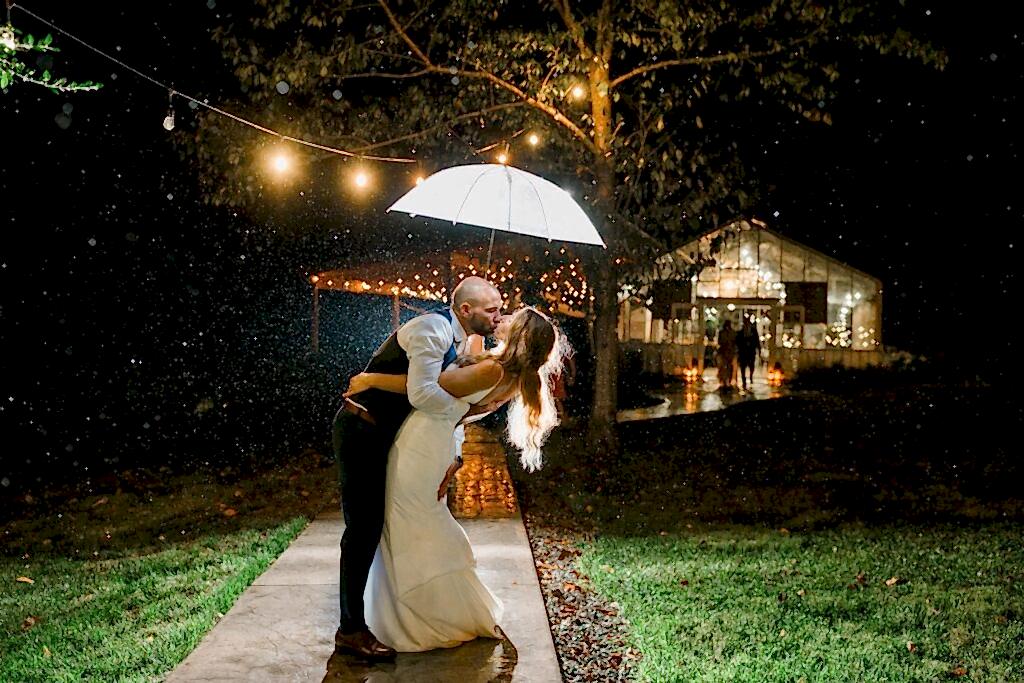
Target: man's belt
{"x":359,"y":411}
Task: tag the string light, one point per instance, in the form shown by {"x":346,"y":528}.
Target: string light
{"x":502,"y":158}
{"x":533,"y":139}
{"x":578,"y":92}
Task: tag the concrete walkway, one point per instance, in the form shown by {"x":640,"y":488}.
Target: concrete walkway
{"x":282,"y":627}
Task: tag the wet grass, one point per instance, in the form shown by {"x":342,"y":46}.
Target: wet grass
{"x":855,"y":603}
{"x":706,"y":528}
{"x":126,"y":581}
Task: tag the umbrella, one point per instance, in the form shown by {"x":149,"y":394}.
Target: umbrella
{"x":500,"y":197}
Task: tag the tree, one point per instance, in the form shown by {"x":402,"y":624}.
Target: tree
{"x":632,"y":101}
{"x":13,"y":69}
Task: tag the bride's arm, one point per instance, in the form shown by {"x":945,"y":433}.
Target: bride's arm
{"x":376,"y":380}
{"x":461,"y":382}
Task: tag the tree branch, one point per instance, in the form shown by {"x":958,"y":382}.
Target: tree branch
{"x":692,"y":61}
{"x":575,"y":32}
{"x":430,"y":67}
{"x":403,"y":34}
{"x":444,"y":124}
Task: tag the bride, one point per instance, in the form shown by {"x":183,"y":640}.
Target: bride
{"x":423,"y":591}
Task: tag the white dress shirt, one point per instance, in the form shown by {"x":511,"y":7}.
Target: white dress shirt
{"x":425,"y":340}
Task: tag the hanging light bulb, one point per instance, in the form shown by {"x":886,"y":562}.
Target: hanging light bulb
{"x":578,"y":92}
{"x":502,"y":158}
{"x":169,"y":119}
{"x":533,"y":139}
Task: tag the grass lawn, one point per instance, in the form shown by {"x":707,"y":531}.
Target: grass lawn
{"x":754,"y":543}
{"x":125,"y":584}
{"x":745,"y":604}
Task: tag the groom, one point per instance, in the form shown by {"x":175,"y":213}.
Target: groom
{"x":364,"y":429}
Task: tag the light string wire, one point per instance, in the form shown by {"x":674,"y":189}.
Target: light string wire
{"x":174,"y":91}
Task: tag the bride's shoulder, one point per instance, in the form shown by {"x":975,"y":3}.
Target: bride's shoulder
{"x":489,"y":369}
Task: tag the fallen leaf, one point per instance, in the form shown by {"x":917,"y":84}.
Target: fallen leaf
{"x":958,"y":672}
{"x":46,"y":651}
{"x":911,"y":647}
{"x":801,"y":592}
{"x":29,"y":622}
{"x":570,"y":586}
{"x":24,"y":579}
{"x":862,"y":577}
{"x":101,"y":501}
{"x":684,"y":582}
{"x":893,"y":581}
{"x":238,"y":493}
{"x":783,"y":530}
{"x":230,"y":512}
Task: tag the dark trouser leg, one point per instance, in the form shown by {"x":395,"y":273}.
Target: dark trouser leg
{"x":362,"y":469}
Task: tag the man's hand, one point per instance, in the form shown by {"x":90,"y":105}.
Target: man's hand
{"x":357,"y":384}
{"x":452,"y":469}
{"x":480,"y":409}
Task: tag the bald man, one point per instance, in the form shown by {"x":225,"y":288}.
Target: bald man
{"x":366,"y":425}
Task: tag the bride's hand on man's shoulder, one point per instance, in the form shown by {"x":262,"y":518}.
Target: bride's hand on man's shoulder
{"x":358,"y":383}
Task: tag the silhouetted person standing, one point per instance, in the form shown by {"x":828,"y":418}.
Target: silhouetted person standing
{"x":748,"y":345}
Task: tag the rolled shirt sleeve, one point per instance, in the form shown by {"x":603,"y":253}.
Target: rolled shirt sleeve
{"x":425,"y":340}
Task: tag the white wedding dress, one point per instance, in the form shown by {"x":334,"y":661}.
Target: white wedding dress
{"x":423,"y":591}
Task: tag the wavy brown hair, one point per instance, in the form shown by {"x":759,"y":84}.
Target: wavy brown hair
{"x":533,"y":352}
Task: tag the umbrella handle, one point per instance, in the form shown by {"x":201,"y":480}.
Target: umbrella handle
{"x":489,"y":248}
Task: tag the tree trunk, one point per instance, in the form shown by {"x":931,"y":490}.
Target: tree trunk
{"x":601,"y":435}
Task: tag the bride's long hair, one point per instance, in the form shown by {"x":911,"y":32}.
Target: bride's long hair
{"x":533,"y":353}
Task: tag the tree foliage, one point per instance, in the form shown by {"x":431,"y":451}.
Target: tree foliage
{"x":13,"y":68}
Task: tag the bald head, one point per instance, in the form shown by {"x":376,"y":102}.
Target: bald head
{"x":477,"y":303}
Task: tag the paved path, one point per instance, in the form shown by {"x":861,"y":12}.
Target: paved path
{"x":704,"y":397}
{"x":282,"y":627}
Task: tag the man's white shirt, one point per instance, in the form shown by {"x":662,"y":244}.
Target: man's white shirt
{"x":425,"y":340}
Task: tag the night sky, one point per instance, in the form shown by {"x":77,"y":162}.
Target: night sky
{"x":115,"y":276}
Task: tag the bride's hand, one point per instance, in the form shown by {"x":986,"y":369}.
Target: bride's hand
{"x":357,"y":384}
{"x":452,"y":469}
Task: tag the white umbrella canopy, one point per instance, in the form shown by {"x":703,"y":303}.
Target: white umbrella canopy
{"x":503,"y":198}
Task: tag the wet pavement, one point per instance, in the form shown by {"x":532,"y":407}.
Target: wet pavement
{"x":482,"y":487}
{"x":282,"y":627}
{"x":704,"y":396}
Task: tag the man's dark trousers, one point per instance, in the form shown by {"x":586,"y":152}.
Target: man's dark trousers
{"x":361,"y":450}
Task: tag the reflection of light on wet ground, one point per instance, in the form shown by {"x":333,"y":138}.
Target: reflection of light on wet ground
{"x":483,"y":660}
{"x":482,"y":487}
{"x":703,"y":397}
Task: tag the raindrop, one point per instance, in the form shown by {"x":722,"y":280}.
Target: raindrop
{"x":170,"y":196}
{"x":193,"y":105}
{"x":92,"y":241}
{"x":5,"y":482}
{"x":471,"y":45}
{"x":68,"y":108}
{"x":455,"y":80}
{"x":211,"y":3}
{"x":282,"y":87}
{"x":993,"y":56}
{"x":63,"y":121}
{"x":336,"y":94}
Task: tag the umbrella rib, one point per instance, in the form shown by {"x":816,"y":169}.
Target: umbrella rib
{"x":540,"y":203}
{"x":469,"y":192}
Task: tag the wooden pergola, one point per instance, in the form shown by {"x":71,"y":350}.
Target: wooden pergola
{"x":416,"y":283}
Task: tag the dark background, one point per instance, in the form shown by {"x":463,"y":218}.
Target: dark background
{"x":139,"y":325}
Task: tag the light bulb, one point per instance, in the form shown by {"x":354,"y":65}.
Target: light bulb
{"x":533,"y":139}
{"x":502,"y":158}
{"x":169,"y":122}
{"x":578,"y":92}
